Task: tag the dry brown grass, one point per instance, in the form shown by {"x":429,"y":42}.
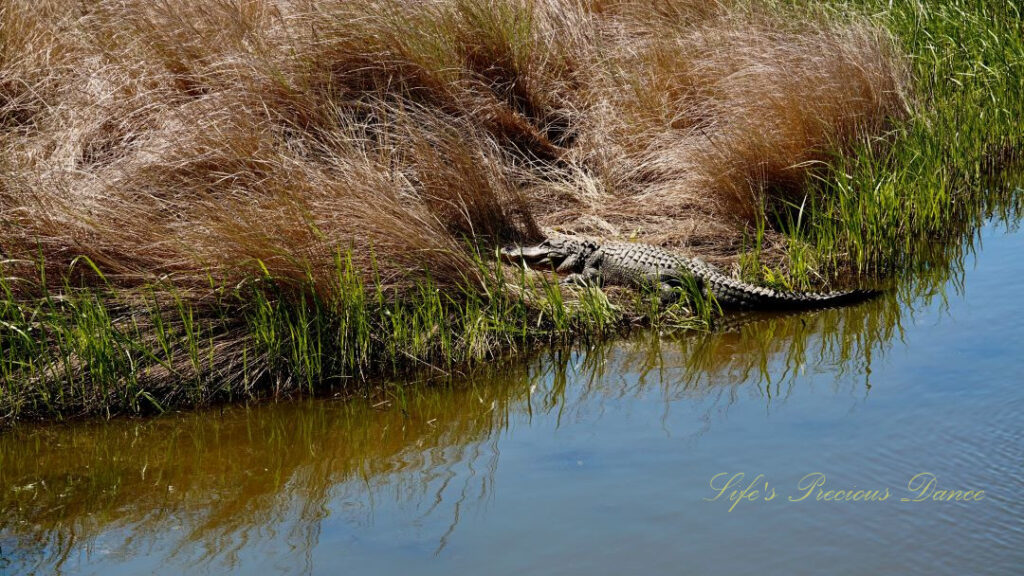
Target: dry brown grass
{"x":189,"y":140}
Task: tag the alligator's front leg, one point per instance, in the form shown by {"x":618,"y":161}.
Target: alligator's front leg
{"x":589,"y":277}
{"x":591,"y":274}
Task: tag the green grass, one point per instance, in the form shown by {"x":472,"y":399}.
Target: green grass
{"x":883,"y":208}
{"x":81,"y":350}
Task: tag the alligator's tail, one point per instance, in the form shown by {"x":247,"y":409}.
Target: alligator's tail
{"x":735,"y":294}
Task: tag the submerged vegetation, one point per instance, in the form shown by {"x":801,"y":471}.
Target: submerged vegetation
{"x":229,"y":199}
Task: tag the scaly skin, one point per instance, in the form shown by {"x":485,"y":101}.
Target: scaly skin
{"x":644,"y":265}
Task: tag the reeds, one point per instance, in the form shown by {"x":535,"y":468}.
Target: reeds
{"x":230,"y":199}
{"x":885,"y":206}
{"x":74,"y":350}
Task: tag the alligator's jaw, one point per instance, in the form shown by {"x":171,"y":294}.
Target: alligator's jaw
{"x":534,"y":255}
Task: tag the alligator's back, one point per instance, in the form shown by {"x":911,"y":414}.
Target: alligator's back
{"x":630,"y":263}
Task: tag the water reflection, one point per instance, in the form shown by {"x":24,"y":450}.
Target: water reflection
{"x":208,"y":485}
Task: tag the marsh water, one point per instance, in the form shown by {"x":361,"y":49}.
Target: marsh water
{"x":719,"y":453}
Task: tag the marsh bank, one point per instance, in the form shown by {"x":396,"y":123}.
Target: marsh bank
{"x":216,"y":201}
{"x":599,"y":459}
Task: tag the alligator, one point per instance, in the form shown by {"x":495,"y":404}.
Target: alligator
{"x":646,"y":266}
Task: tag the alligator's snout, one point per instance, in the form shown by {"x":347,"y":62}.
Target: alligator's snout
{"x":537,"y":255}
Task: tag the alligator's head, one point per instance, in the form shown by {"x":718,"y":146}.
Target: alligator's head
{"x":562,"y":253}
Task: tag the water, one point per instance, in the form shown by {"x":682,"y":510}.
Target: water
{"x":600,"y":460}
